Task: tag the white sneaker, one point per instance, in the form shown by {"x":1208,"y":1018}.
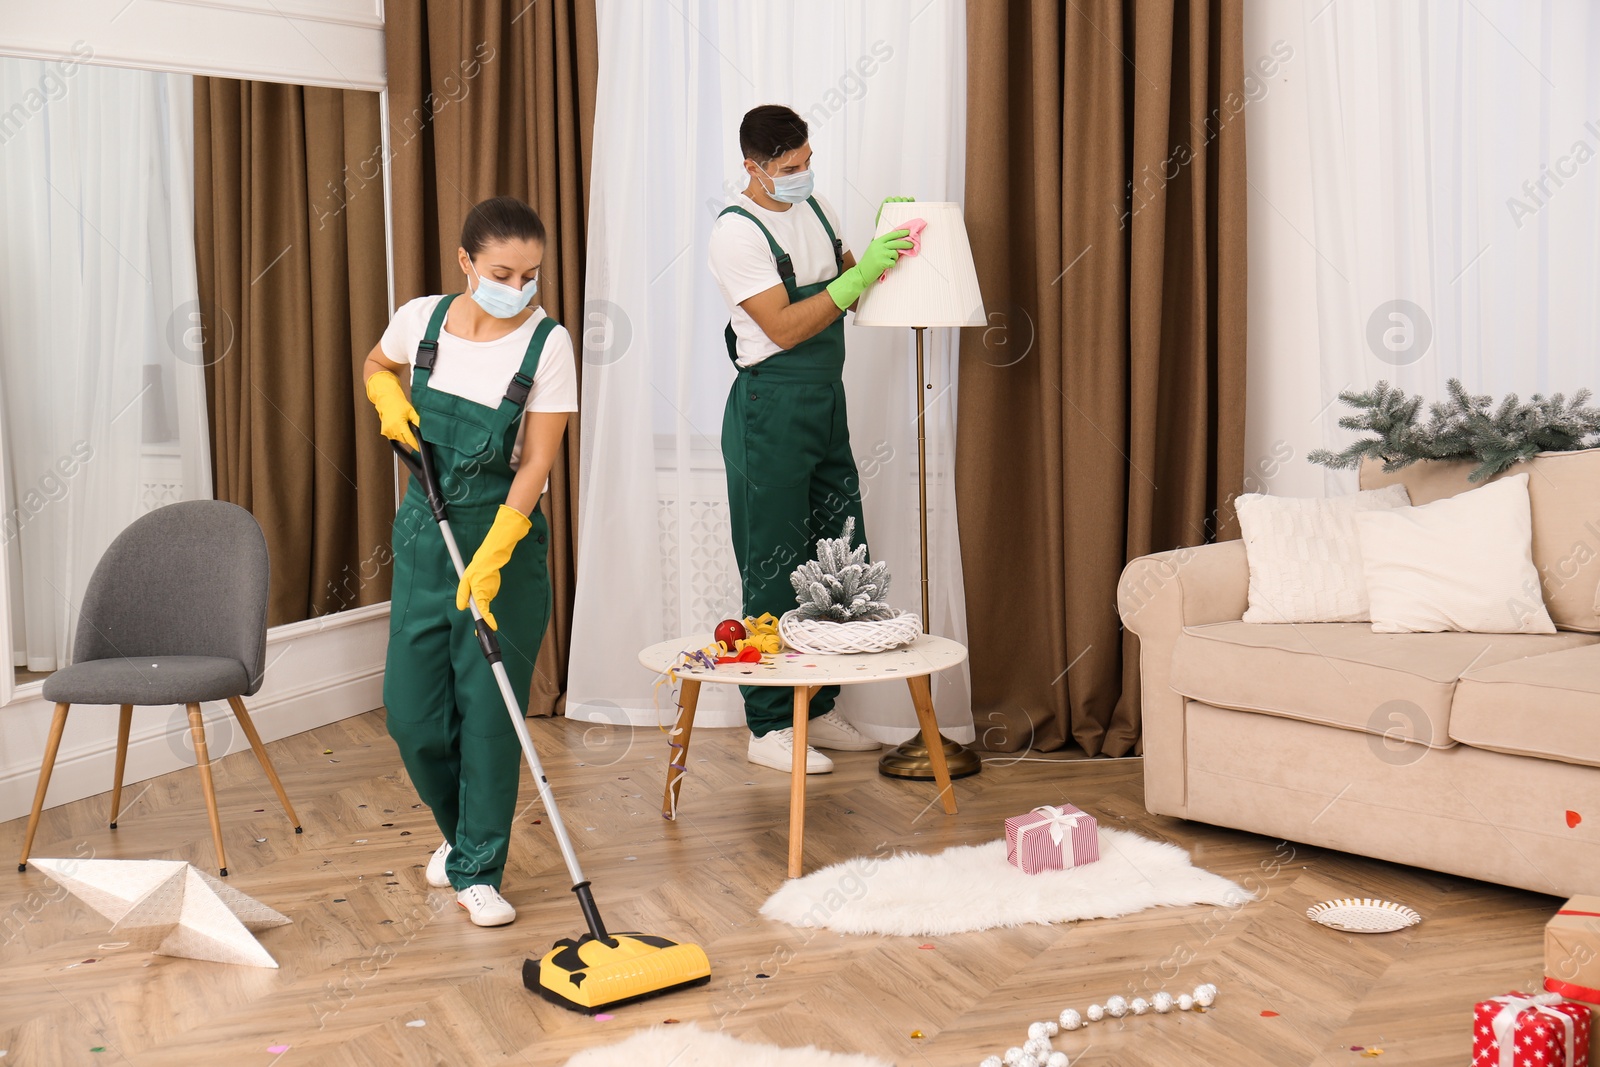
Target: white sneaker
{"x":436,"y":873}
{"x":486,"y":906}
{"x":832,"y":731}
{"x":776,"y":750}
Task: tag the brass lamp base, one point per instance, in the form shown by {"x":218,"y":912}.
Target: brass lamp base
{"x":910,"y":760}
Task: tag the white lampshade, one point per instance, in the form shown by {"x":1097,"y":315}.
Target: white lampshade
{"x":936,"y":287}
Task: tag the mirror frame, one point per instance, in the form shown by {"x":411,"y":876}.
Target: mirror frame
{"x":11,"y":692}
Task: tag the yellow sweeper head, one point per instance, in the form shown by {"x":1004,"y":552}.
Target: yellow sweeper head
{"x":591,"y":975}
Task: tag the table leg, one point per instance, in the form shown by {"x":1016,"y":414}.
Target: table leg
{"x":678,"y":747}
{"x":922,"y":700}
{"x":797,"y":781}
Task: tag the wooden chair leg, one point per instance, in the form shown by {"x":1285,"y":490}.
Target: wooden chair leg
{"x":797,"y":781}
{"x":237,"y":704}
{"x":678,"y":747}
{"x":57,"y":725}
{"x":123,"y":725}
{"x":922,"y":700}
{"x":202,"y":760}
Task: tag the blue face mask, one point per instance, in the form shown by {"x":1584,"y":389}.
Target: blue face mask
{"x":499,"y":299}
{"x":792,"y":188}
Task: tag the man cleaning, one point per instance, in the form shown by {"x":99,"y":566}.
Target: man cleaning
{"x":788,"y":279}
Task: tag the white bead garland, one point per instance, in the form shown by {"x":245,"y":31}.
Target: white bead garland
{"x":1036,"y":1050}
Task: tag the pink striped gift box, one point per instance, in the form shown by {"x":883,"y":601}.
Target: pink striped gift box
{"x":1052,"y":838}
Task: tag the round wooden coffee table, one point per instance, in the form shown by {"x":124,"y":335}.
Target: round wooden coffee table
{"x":806,"y":674}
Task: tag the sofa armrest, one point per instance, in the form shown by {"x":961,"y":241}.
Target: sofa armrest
{"x":1157,"y":596}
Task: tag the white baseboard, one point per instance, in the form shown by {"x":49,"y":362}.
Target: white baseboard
{"x":318,"y":672}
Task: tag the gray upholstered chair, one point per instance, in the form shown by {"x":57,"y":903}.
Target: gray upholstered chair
{"x":175,"y":613}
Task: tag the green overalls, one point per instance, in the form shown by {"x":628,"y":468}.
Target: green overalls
{"x":445,"y":711}
{"x":791,"y":476}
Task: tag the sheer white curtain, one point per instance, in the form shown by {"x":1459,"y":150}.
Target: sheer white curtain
{"x":102,"y":400}
{"x":1456,"y":188}
{"x":883,"y":87}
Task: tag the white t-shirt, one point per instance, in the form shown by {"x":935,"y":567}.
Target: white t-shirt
{"x":479,"y":371}
{"x":744,"y":265}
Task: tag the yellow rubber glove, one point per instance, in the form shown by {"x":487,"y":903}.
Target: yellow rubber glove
{"x":481,"y":581}
{"x":396,"y":416}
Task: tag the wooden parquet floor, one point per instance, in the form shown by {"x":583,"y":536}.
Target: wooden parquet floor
{"x":372,"y":950}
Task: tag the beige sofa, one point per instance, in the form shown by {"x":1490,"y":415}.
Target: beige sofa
{"x":1457,"y":752}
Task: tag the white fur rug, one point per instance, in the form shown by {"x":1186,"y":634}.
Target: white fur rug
{"x":973,"y":888}
{"x":686,"y":1045}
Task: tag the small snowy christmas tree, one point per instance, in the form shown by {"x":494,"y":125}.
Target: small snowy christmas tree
{"x":840,"y":585}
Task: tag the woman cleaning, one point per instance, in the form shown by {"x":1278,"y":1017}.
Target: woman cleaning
{"x":492,"y":383}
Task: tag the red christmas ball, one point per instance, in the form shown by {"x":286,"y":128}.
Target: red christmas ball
{"x":730,"y":632}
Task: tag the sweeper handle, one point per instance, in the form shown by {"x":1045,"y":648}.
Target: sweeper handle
{"x":420,"y":464}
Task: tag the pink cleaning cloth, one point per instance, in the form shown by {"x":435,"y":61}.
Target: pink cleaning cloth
{"x":915,"y":236}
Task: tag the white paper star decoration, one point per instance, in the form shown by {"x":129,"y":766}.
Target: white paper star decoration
{"x":169,"y":907}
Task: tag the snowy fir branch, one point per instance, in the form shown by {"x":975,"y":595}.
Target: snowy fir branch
{"x":1462,"y":426}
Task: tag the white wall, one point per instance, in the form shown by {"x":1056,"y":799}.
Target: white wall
{"x":312,"y":42}
{"x":1284,"y":395}
{"x":318,"y":671}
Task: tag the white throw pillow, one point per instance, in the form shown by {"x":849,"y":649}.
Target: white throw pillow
{"x":1305,"y":562}
{"x":1461,"y":563}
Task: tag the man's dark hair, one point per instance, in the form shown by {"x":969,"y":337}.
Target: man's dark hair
{"x":769,"y":131}
{"x":500,"y":218}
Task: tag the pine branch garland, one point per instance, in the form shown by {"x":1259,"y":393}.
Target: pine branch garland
{"x":1462,"y":426}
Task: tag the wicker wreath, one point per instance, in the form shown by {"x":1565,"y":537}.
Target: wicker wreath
{"x":821,"y":637}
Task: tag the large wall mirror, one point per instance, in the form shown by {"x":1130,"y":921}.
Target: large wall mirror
{"x":154,"y":289}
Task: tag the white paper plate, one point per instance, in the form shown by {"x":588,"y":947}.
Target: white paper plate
{"x":1363,"y":915}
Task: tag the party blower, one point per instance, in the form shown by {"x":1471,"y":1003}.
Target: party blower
{"x":597,"y":970}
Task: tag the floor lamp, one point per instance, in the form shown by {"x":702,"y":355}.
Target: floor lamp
{"x":936,"y":287}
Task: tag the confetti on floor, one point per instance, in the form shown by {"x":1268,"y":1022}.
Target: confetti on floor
{"x":603,"y":1018}
{"x":417,"y":1024}
{"x":916,"y":1035}
{"x":669,"y":1022}
{"x":1373,"y":1052}
{"x":924,"y":946}
{"x":277,"y":1050}
{"x":1573,"y":819}
{"x":1269,"y":1015}
{"x":327,"y":752}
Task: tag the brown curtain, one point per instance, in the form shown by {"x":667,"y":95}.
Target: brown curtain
{"x":1106,"y":203}
{"x":294,"y":292}
{"x":490,"y":99}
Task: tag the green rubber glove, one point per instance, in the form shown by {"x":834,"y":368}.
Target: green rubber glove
{"x":893,"y":200}
{"x":880,"y":255}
